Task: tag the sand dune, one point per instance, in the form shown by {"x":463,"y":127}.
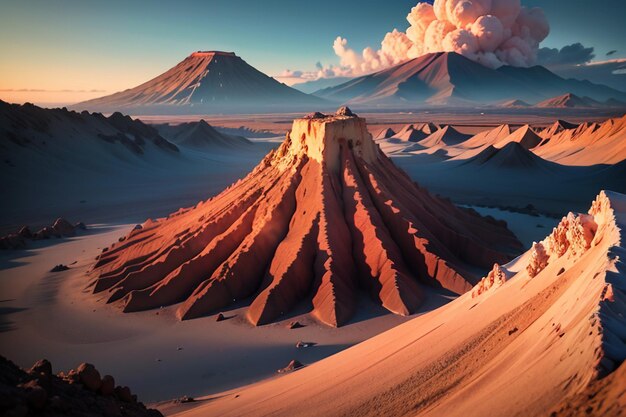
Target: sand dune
{"x":326,"y":189}
{"x":536,"y":339}
{"x":587,"y":144}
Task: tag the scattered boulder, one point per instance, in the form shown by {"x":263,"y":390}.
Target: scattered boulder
{"x":89,"y":376}
{"x":38,"y":392}
{"x":36,"y":396}
{"x":46,"y":233}
{"x":295,"y":325}
{"x":184,"y":399}
{"x":108,"y":385}
{"x":59,"y":228}
{"x":59,"y":268}
{"x":42,"y":366}
{"x":63,"y":227}
{"x":302,"y":344}
{"x":293,"y":365}
{"x":220,"y":317}
{"x":12,"y":241}
{"x":25,"y":232}
{"x":124,"y":394}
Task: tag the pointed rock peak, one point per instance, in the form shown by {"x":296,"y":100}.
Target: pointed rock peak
{"x":315,"y":115}
{"x":344,"y":111}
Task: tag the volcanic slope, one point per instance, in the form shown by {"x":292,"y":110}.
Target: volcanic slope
{"x":536,"y":335}
{"x":452,"y":79}
{"x":324,"y":214}
{"x":205,"y":81}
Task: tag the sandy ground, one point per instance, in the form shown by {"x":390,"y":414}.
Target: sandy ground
{"x":44,"y":314}
{"x":467,"y":120}
{"x":518,"y":349}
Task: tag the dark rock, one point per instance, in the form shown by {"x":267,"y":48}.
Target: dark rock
{"x":42,"y":366}
{"x":107,"y":387}
{"x":124,"y":394}
{"x":25,"y":232}
{"x":36,"y":396}
{"x":63,"y":227}
{"x":295,"y":325}
{"x":89,"y":376}
{"x":220,"y":317}
{"x":184,"y":399}
{"x":59,"y":268}
{"x":293,"y":365}
{"x":12,"y":241}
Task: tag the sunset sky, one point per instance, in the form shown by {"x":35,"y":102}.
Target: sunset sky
{"x":67,"y":51}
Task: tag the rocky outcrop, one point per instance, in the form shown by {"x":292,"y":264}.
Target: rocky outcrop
{"x":79,"y":392}
{"x":495,"y":278}
{"x":60,"y":228}
{"x":323,"y":215}
{"x":572,"y":236}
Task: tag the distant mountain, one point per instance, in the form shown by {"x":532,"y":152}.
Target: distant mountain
{"x":206,"y":82}
{"x":43,"y":131}
{"x":201,"y":135}
{"x":447,"y":78}
{"x":513,"y":104}
{"x":570,"y":100}
{"x":321,"y":83}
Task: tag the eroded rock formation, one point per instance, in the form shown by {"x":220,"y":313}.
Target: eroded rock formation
{"x":321,"y":216}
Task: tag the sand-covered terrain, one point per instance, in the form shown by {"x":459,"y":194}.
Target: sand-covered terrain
{"x":483,"y":166}
{"x":529,"y":339}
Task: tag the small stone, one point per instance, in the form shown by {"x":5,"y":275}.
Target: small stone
{"x":220,"y":317}
{"x":295,"y":325}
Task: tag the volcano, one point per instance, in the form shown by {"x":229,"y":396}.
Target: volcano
{"x":323,"y":215}
{"x":447,"y":78}
{"x":206,"y":81}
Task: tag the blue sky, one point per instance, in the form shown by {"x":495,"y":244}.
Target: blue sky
{"x":107,"y":46}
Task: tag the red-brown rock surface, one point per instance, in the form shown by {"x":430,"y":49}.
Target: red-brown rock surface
{"x":324,"y":214}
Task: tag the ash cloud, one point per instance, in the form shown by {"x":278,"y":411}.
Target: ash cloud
{"x":572,"y":54}
{"x":491,"y":32}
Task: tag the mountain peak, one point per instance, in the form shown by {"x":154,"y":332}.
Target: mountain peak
{"x":211,"y":54}
{"x":206,"y":81}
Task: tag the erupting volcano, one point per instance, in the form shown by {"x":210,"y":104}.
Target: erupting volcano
{"x":323,"y":215}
